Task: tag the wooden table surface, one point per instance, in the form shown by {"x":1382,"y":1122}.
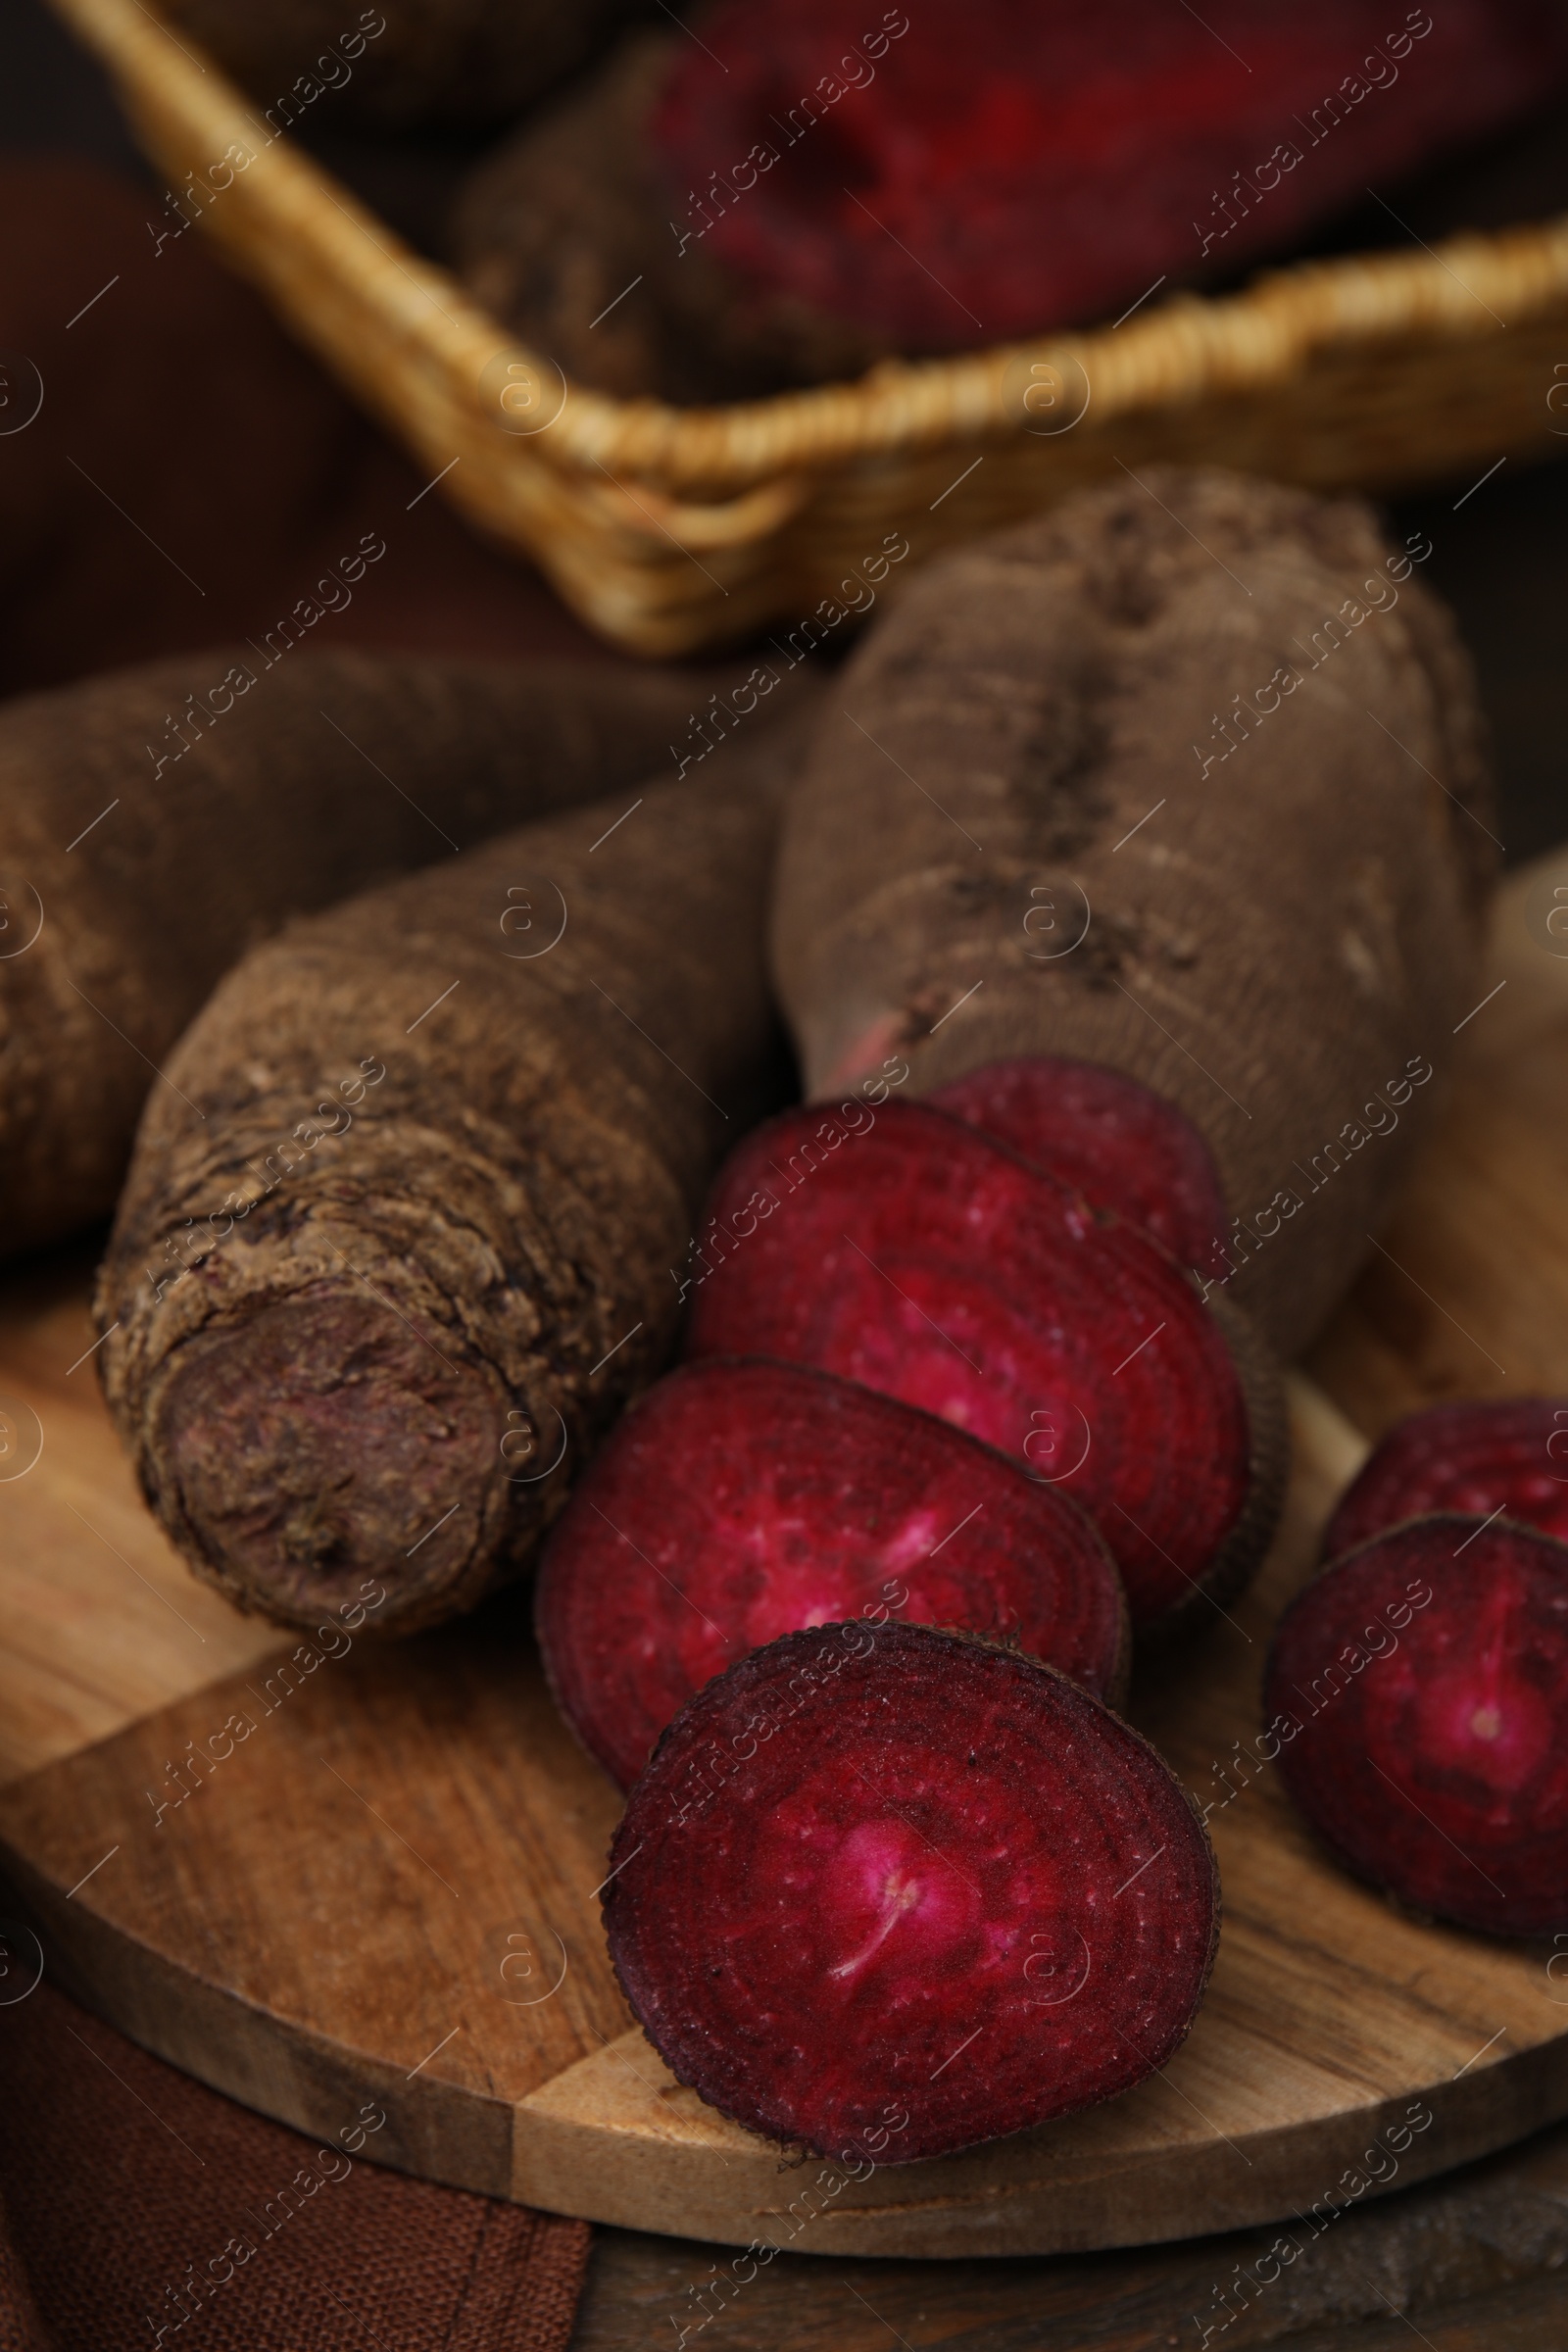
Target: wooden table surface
{"x":1473,"y":2261}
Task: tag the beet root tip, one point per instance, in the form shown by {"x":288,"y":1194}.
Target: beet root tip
{"x":322,"y":1442}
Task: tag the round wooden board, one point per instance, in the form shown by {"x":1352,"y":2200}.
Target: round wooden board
{"x":385,"y":1890}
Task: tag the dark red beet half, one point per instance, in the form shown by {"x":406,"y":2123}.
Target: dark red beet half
{"x":890,"y":1890}
{"x":971,"y":169}
{"x":1508,"y":1455}
{"x":1112,"y":1139}
{"x":907,"y":1251}
{"x":1426,"y":1678}
{"x":742,"y":1499}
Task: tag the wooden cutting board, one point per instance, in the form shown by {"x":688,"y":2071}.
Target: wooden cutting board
{"x":378,"y":1894}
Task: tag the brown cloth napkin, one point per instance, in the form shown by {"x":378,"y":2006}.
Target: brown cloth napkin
{"x":21,"y":2328}
{"x":146,"y":2210}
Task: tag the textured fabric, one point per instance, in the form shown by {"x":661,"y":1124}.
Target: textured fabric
{"x":21,"y":2330}
{"x":146,"y":2210}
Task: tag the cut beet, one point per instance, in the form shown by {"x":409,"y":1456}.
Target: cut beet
{"x":907,"y":1251}
{"x":744,"y":1499}
{"x":1110,"y":1137}
{"x":1507,"y":1455}
{"x":1418,"y":1693}
{"x":973,"y":169}
{"x":892,"y":1891}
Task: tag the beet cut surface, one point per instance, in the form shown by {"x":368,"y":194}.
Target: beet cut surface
{"x":1496,"y":1454}
{"x":744,"y":1499}
{"x":882,"y":1871}
{"x":1436,"y":1767}
{"x":998,"y":168}
{"x":1112,"y":1139}
{"x":916,"y":1255}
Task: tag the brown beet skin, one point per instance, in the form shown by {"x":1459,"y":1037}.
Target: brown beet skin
{"x":401,"y":1236}
{"x":742,"y":1498}
{"x":892,"y":1882}
{"x":1200,"y":797}
{"x":155,"y":846}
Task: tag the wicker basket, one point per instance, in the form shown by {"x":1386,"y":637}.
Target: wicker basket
{"x":669,"y":530}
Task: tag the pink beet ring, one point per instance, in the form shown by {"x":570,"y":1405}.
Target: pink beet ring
{"x":909,"y":1251}
{"x":1419,"y":1690}
{"x":741,"y":1499}
{"x":893,"y":1865}
{"x":1116,"y":1142}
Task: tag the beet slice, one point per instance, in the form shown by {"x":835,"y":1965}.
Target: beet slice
{"x":1109,"y":1136}
{"x":890,"y":1871}
{"x":973,"y":169}
{"x":1426,"y":1676}
{"x":907,"y":1251}
{"x":1478,"y":1457}
{"x":742,"y":1499}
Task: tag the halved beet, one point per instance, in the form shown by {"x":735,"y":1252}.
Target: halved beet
{"x":1480,"y":1457}
{"x":904,"y":1249}
{"x":881,"y":1873}
{"x":1112,"y":1139}
{"x":742,"y":1499}
{"x":1426,"y":1678}
{"x":975,"y":171}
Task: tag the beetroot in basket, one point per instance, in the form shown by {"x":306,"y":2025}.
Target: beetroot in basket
{"x":802,"y":190}
{"x":741,"y":1499}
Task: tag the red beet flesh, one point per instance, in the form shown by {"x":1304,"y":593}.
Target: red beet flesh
{"x":885,"y":1872}
{"x":910,"y":1253}
{"x":745,"y":1499}
{"x":1116,"y":1142}
{"x":1480,"y":1457}
{"x":1427,"y":1675}
{"x":997,"y":168}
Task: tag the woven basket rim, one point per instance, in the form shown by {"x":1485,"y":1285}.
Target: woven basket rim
{"x":1188,"y":348}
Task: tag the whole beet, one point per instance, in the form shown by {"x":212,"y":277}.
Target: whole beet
{"x":397,"y":1243}
{"x":1184,"y":778}
{"x":801,"y":192}
{"x":157,"y":821}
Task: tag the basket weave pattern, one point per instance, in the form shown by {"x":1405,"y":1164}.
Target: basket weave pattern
{"x":669,"y":530}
